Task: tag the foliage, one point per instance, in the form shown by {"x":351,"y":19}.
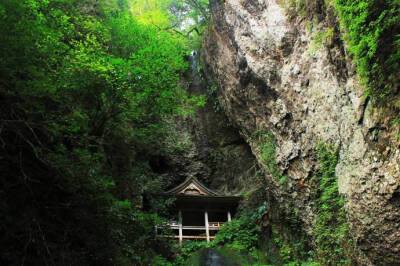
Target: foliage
{"x":239,"y":234}
{"x":243,"y":240}
{"x":291,"y":250}
{"x":193,"y":14}
{"x":152,"y":12}
{"x":285,"y":242}
{"x":160,"y":261}
{"x":188,"y":250}
{"x":332,"y":242}
{"x":83,"y":90}
{"x":194,"y":19}
{"x":373,"y":35}
{"x":185,"y":20}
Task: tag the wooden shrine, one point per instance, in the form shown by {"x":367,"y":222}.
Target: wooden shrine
{"x":201,"y":211}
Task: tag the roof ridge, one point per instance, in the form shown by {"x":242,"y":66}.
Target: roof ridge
{"x":187,"y":182}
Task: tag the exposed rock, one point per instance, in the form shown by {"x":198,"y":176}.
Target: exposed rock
{"x":270,"y":79}
{"x":212,"y":149}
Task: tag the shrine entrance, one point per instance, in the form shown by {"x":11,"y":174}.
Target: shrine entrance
{"x":201,"y":211}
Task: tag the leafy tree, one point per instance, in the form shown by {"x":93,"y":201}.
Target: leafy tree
{"x":84,"y":87}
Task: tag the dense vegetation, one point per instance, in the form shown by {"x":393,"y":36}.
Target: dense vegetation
{"x":84,"y":88}
{"x":373,"y":34}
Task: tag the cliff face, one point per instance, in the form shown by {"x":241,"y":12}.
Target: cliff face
{"x":209,"y":147}
{"x":274,"y":77}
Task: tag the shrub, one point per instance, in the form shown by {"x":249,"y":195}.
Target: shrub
{"x":239,"y":234}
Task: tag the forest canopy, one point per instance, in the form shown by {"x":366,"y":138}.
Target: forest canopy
{"x":84,"y":89}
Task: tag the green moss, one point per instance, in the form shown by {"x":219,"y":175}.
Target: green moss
{"x":321,"y":39}
{"x":303,"y":8}
{"x":267,"y":151}
{"x":266,"y":148}
{"x":310,"y":25}
{"x":332,"y":242}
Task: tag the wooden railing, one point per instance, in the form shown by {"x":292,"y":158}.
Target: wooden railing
{"x":207,"y":227}
{"x":216,"y":224}
{"x":192,"y":237}
{"x":211,"y":226}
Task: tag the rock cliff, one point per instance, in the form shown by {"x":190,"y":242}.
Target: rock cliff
{"x":275,"y":77}
{"x":206,"y":145}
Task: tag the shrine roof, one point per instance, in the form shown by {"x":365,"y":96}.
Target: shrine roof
{"x":193,"y":187}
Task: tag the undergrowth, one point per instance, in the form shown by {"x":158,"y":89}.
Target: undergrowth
{"x":244,"y":240}
{"x":239,"y":236}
